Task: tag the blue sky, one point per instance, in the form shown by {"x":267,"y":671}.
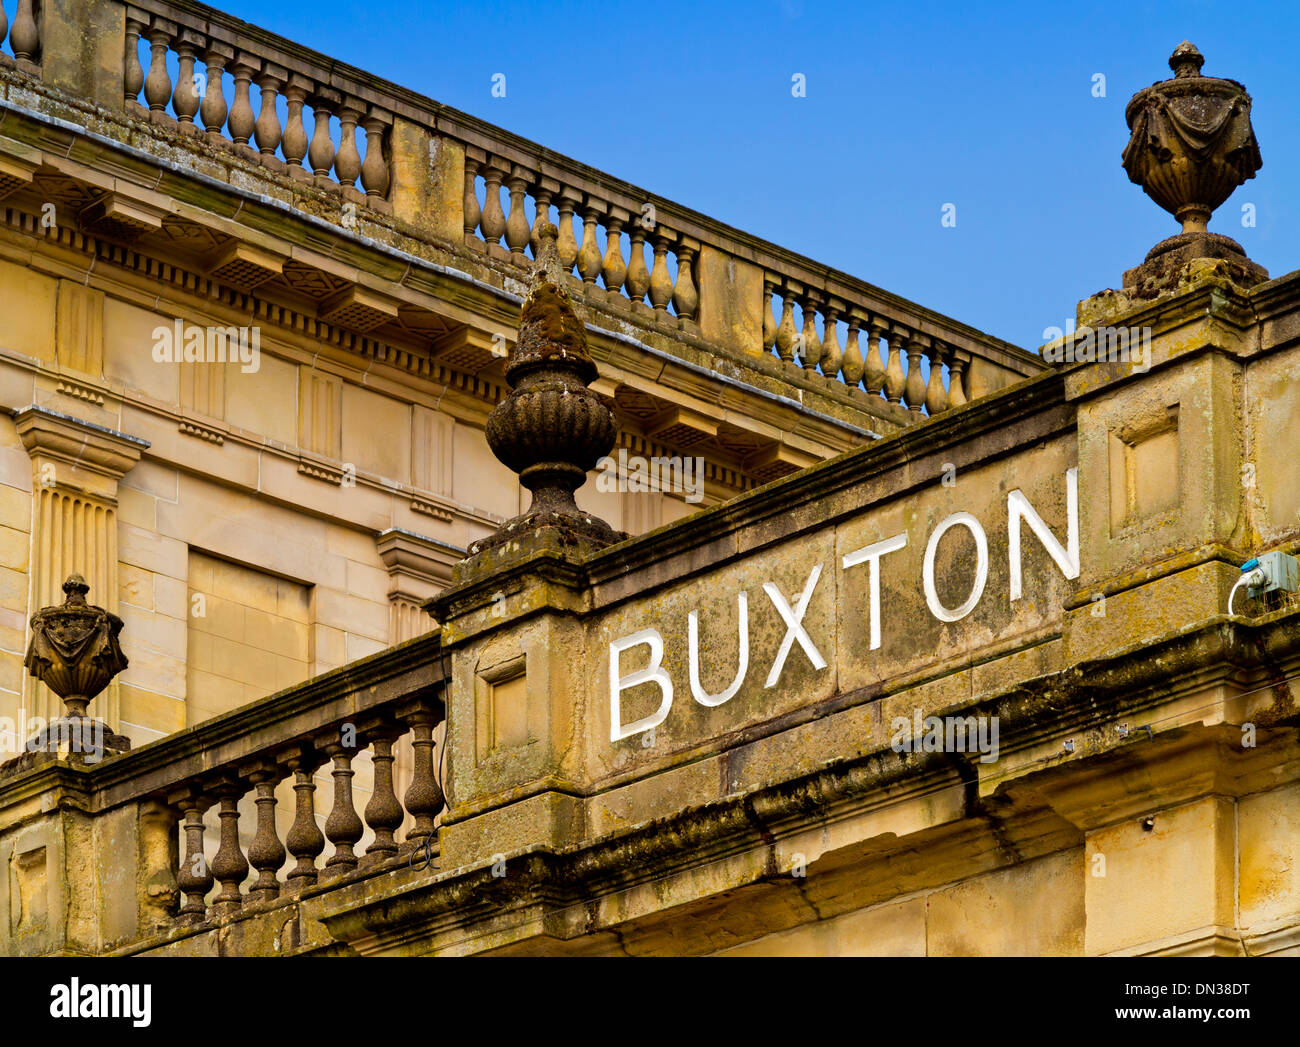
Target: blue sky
{"x":908,"y":106}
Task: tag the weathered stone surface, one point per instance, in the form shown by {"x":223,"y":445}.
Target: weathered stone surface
{"x":261,"y":520}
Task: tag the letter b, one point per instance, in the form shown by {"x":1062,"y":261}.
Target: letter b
{"x":652,"y":673}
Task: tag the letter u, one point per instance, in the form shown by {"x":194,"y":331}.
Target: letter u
{"x":693,"y":657}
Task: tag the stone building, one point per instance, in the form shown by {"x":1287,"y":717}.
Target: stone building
{"x":866,"y":633}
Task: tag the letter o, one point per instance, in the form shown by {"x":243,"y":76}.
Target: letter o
{"x":981,"y":567}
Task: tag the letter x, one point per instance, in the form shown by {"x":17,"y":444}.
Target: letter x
{"x":794,"y":629}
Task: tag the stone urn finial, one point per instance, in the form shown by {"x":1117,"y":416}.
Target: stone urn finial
{"x":551,"y":429}
{"x":74,"y":649}
{"x":1191,"y":146}
{"x":1186,"y":60}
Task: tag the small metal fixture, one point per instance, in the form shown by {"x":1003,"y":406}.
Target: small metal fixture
{"x":1272,"y":572}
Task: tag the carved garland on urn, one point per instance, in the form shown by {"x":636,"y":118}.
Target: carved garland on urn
{"x":1192,"y":145}
{"x":74,"y":651}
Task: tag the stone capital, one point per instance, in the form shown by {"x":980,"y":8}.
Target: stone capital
{"x":81,"y":456}
{"x":418,"y":566}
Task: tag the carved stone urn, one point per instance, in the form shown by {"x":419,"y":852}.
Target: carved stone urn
{"x":551,"y":429}
{"x":1191,"y":146}
{"x":74,"y":651}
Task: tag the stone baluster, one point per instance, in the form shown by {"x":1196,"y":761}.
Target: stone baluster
{"x":811,"y":353}
{"x":566,"y":244}
{"x":853,"y":363}
{"x":613,"y":268}
{"x":185,"y":99}
{"x":956,"y":379}
{"x":293,"y":143}
{"x":915,"y":388}
{"x":374,"y":170}
{"x":638,"y":276}
{"x":470,"y":204}
{"x":347,"y":161}
{"x":194,"y":877}
{"x":158,"y":84}
{"x":24,"y":37}
{"x":343,"y":827}
{"x":213,"y":108}
{"x":265,"y":852}
{"x":542,"y":193}
{"x":320,"y":154}
{"x":785,"y":330}
{"x":686,"y":299}
{"x":936,"y":396}
{"x":229,"y":865}
{"x":832,"y":355}
{"x":661,"y":284}
{"x":383,"y":813}
{"x":305,"y":840}
{"x":769,"y":321}
{"x":4,"y":28}
{"x":242,"y":121}
{"x":493,"y":220}
{"x":266,"y":130}
{"x":589,"y":260}
{"x":132,"y":72}
{"x":895,"y":380}
{"x":873,"y":371}
{"x":518,"y":232}
{"x":424,"y":798}
{"x":159,"y":863}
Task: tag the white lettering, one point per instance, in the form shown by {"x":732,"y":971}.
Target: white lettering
{"x":652,"y":673}
{"x":794,"y":629}
{"x":693,"y":656}
{"x":871,"y":554}
{"x":1067,"y":557}
{"x":981,"y":568}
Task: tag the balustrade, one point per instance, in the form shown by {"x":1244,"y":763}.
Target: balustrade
{"x":277,"y":105}
{"x":922,"y":372}
{"x":231,"y":116}
{"x":617,"y":271}
{"x":234,"y":876}
{"x":912,"y":370}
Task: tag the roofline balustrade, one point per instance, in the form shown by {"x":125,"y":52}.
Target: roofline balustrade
{"x":704,"y":279}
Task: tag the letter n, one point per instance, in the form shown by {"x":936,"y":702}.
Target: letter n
{"x":1066,"y":557}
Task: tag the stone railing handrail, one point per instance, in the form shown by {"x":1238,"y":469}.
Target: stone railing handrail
{"x":914,"y":357}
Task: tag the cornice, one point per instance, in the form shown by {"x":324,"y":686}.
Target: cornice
{"x":79,"y":443}
{"x":415,"y":555}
